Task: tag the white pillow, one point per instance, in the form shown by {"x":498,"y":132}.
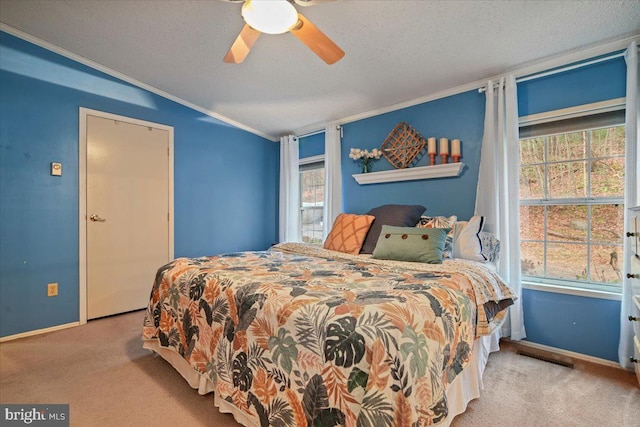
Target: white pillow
{"x":466,"y":239}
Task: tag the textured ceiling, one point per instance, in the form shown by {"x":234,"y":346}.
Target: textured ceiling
{"x":396,"y":51}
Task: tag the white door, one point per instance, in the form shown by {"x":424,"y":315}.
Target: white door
{"x":127,"y":213}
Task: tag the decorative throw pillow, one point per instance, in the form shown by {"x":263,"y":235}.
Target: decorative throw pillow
{"x":466,"y":239}
{"x":490,"y":246}
{"x":348,"y":233}
{"x":440,"y":222}
{"x":411,"y":244}
{"x":436,"y":221}
{"x":396,"y":215}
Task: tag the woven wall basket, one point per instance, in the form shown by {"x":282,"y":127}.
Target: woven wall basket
{"x":402,"y":145}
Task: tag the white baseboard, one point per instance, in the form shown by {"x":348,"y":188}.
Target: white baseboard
{"x":38,"y":331}
{"x":566,"y":353}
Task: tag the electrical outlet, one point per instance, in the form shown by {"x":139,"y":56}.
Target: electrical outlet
{"x":52,"y":289}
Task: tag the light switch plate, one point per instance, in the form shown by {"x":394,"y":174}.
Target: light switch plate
{"x":56,"y":169}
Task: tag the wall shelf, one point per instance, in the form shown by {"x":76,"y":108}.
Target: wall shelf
{"x":409,"y":174}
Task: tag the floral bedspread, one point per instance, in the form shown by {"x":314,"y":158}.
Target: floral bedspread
{"x":301,"y":336}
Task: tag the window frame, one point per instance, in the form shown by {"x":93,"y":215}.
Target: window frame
{"x":567,"y":286}
{"x":307,"y":164}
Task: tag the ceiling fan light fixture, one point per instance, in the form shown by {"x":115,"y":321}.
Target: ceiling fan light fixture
{"x":270,"y":16}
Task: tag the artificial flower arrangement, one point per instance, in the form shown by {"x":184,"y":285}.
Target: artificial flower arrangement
{"x":365,"y":157}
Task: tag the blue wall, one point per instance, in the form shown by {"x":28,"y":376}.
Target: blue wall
{"x":585,"y":85}
{"x":221,"y":203}
{"x":311,"y":145}
{"x":40,"y":93}
{"x":584,"y":325}
{"x":459,"y":116}
{"x":581,"y":324}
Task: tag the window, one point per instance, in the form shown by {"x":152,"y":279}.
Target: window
{"x":311,"y":200}
{"x":572,"y":204}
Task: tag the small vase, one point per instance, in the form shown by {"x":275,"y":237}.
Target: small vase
{"x":366,"y":167}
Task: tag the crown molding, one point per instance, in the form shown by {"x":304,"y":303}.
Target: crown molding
{"x":548,"y":63}
{"x":534,"y":67}
{"x":96,"y":66}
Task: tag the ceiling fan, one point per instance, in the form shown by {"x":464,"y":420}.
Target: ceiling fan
{"x":277,"y":17}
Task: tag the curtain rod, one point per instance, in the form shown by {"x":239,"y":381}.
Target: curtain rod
{"x":316,"y":132}
{"x":311,"y":133}
{"x":569,"y":68}
{"x":562,"y":69}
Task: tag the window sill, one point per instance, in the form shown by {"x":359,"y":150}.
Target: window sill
{"x":409,"y":174}
{"x":580,"y":292}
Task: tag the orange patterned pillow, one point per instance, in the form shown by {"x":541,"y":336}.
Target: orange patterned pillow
{"x":348,"y":233}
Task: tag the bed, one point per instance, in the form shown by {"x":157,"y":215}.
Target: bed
{"x":298,"y":335}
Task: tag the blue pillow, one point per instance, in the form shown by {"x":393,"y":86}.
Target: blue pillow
{"x":411,"y":244}
{"x":397,"y":215}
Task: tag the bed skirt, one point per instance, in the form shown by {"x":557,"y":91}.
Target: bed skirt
{"x":464,"y":388}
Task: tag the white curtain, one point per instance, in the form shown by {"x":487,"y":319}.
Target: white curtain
{"x":631,"y":196}
{"x":332,"y":177}
{"x":497,"y":193}
{"x":289,"y":230}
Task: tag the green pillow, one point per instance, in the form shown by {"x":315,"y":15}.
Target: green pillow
{"x":411,"y":244}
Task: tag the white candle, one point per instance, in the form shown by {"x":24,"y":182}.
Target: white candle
{"x":444,"y":146}
{"x":455,"y":147}
{"x":432,"y":146}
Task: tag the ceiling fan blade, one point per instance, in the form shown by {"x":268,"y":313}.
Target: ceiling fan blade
{"x":317,"y":41}
{"x":243,"y":44}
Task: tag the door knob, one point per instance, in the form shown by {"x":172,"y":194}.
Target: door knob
{"x":633,"y":276}
{"x":95,"y":217}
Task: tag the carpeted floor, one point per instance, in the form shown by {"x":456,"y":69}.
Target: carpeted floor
{"x":108,"y":379}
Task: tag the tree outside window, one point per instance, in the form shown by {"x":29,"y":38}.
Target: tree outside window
{"x":572,"y":208}
{"x":312,"y":202}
